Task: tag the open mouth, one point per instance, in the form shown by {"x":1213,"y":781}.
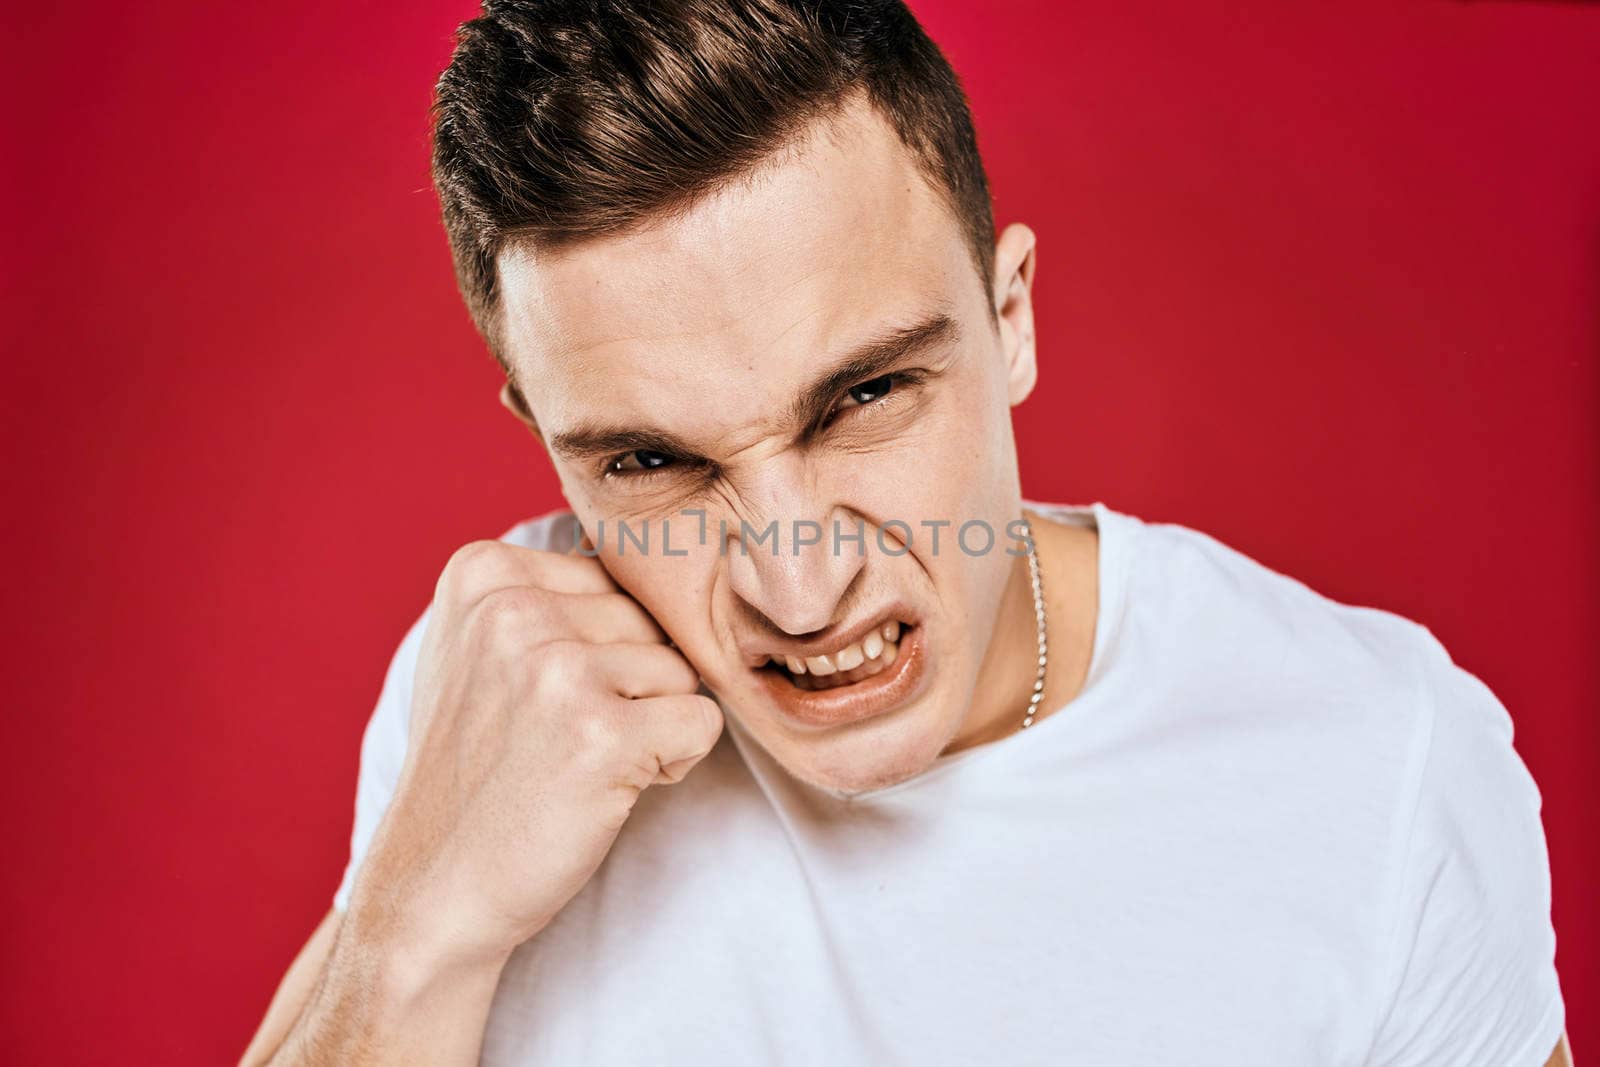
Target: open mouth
{"x":855,"y":662}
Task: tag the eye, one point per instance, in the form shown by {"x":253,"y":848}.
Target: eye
{"x":867,"y":392}
{"x":639,"y":461}
{"x":884,"y":390}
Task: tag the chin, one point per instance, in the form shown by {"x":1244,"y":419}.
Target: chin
{"x":869,"y":755}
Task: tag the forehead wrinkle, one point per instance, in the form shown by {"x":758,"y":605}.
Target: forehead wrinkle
{"x":592,"y":437}
{"x":611,"y":433}
{"x":881,"y":351}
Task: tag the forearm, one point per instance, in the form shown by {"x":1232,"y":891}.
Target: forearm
{"x":381,"y":999}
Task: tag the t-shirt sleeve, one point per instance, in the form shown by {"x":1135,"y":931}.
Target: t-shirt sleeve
{"x":383,"y":750}
{"x":383,"y":745}
{"x":1470,"y":961}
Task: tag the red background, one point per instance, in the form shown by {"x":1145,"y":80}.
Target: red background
{"x":1318,"y":279}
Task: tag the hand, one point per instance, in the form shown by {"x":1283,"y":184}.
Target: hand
{"x":546,"y":700}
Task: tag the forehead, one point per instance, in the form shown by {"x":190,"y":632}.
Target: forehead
{"x":837,"y":238}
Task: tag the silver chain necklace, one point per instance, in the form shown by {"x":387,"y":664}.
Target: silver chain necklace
{"x":1038,"y":618}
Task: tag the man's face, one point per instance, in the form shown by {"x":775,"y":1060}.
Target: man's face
{"x":810,"y":346}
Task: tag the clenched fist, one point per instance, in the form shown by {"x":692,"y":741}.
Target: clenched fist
{"x":545,"y":700}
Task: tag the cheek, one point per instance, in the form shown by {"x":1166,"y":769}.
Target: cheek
{"x":951,"y":464}
{"x":675,"y":590}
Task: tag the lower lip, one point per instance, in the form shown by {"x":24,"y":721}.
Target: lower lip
{"x":883,"y":692}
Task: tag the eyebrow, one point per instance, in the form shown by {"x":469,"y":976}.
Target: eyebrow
{"x":872,"y":359}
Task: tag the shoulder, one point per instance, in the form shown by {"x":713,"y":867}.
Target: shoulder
{"x":1396,"y":769}
{"x":1249,"y":622}
{"x":1238,"y":622}
{"x":552,"y":531}
{"x":1330,"y":710}
{"x":1467,"y":899}
{"x":1398,"y":764}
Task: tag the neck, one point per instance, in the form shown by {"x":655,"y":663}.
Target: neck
{"x":1069,"y":570}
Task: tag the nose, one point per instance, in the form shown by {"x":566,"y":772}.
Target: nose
{"x":797,"y":587}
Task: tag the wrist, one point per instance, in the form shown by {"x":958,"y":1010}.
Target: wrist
{"x":412,"y":970}
{"x":414,"y":975}
{"x":414,"y":945}
{"x":394,"y":993}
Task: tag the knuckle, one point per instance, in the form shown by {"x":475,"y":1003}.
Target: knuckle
{"x":560,"y":666}
{"x":508,"y":613}
{"x":476,"y":554}
{"x":468,"y":563}
{"x":600,"y":735}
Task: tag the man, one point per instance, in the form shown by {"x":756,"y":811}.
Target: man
{"x":736,"y":761}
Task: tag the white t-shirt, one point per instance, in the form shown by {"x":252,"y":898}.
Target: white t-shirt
{"x":1271,"y":829}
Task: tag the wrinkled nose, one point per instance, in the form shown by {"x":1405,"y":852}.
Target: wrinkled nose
{"x":797,"y":573}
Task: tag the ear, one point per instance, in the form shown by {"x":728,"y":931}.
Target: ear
{"x":512,"y":400}
{"x":1014,"y":258}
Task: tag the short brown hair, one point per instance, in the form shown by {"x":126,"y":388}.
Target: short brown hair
{"x":558,"y":120}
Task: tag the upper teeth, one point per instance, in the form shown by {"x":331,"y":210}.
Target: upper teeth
{"x":847,"y":658}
